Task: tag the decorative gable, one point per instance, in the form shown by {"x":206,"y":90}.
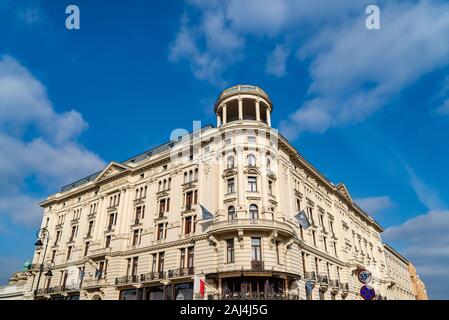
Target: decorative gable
{"x":112,"y":169}
{"x":344,"y":191}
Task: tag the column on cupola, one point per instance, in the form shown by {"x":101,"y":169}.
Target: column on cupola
{"x":268,"y":116}
{"x":224,"y":110}
{"x":218,"y":120}
{"x":240,"y":100}
{"x":257,"y":109}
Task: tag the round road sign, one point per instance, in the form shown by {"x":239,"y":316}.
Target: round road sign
{"x":364,"y":276}
{"x":367,"y":292}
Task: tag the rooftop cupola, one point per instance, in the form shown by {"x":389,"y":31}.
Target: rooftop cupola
{"x":243,"y":102}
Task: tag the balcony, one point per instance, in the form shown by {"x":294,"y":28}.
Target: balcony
{"x":94,"y":283}
{"x":344,"y":288}
{"x":179,"y":273}
{"x":72,"y":287}
{"x":152,"y":276}
{"x":126,"y":280}
{"x":335,"y":286}
{"x":251,"y":224}
{"x":257,"y":265}
{"x":323,"y":281}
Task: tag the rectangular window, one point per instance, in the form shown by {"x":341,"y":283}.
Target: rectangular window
{"x":134,"y":266}
{"x":90,"y":228}
{"x":270,"y":187}
{"x":182,"y":262}
{"x":335,"y":249}
{"x":69,"y":252}
{"x":189,"y":200}
{"x":53,"y":255}
{"x":160,"y":231}
{"x":251,"y":139}
{"x":187,"y":225}
{"x":154,"y":263}
{"x":58,"y":237}
{"x":231,"y":185}
{"x":140,"y":211}
{"x":136,"y":237}
{"x":304,"y":264}
{"x":73,"y":234}
{"x":190,"y":257}
{"x":108,"y":242}
{"x":256,"y":254}
{"x":86,"y":248}
{"x":314,"y":238}
{"x":161,"y":262}
{"x":230,"y":250}
{"x":325,"y":243}
{"x":252,"y":184}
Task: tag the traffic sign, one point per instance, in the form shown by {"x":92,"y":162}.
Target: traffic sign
{"x":364,"y":276}
{"x":367,"y":292}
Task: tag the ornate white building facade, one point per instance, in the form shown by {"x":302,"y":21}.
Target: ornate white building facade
{"x":135,"y":229}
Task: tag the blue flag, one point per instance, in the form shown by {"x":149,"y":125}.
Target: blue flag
{"x":206,"y":215}
{"x":301,"y":217}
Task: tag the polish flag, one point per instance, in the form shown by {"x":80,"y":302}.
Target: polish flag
{"x":198,"y":285}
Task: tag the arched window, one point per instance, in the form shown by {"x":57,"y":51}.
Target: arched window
{"x":231,"y":213}
{"x":268,"y":163}
{"x":185,"y":177}
{"x":253,"y":212}
{"x":251,"y":160}
{"x":230,"y":164}
{"x":190,"y":176}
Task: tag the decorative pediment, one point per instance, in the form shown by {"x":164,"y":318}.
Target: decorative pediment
{"x":344,"y":191}
{"x":188,"y":186}
{"x":252,"y":170}
{"x":162,"y":194}
{"x":229,"y":173}
{"x":112,"y":169}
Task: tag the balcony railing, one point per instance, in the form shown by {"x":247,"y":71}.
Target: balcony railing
{"x":344,"y":286}
{"x":94,"y":283}
{"x":151,"y":276}
{"x":181,"y":272}
{"x":257,"y":224}
{"x":72,"y":287}
{"x":257,"y":265}
{"x":243,"y":88}
{"x":323,"y":279}
{"x":126,"y":280}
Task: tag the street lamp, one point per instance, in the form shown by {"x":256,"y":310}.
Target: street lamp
{"x":43,"y":235}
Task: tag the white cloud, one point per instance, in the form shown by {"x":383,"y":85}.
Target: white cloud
{"x":354,"y":71}
{"x":374,"y":205}
{"x":425,"y":193}
{"x":426,"y":243}
{"x":276,"y":64}
{"x":36,"y":144}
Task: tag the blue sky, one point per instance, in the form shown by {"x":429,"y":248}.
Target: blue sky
{"x":366,"y":107}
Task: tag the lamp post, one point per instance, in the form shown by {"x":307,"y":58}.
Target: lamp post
{"x":43,"y":235}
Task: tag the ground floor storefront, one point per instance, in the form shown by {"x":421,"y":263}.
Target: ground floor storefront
{"x":178,"y":291}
